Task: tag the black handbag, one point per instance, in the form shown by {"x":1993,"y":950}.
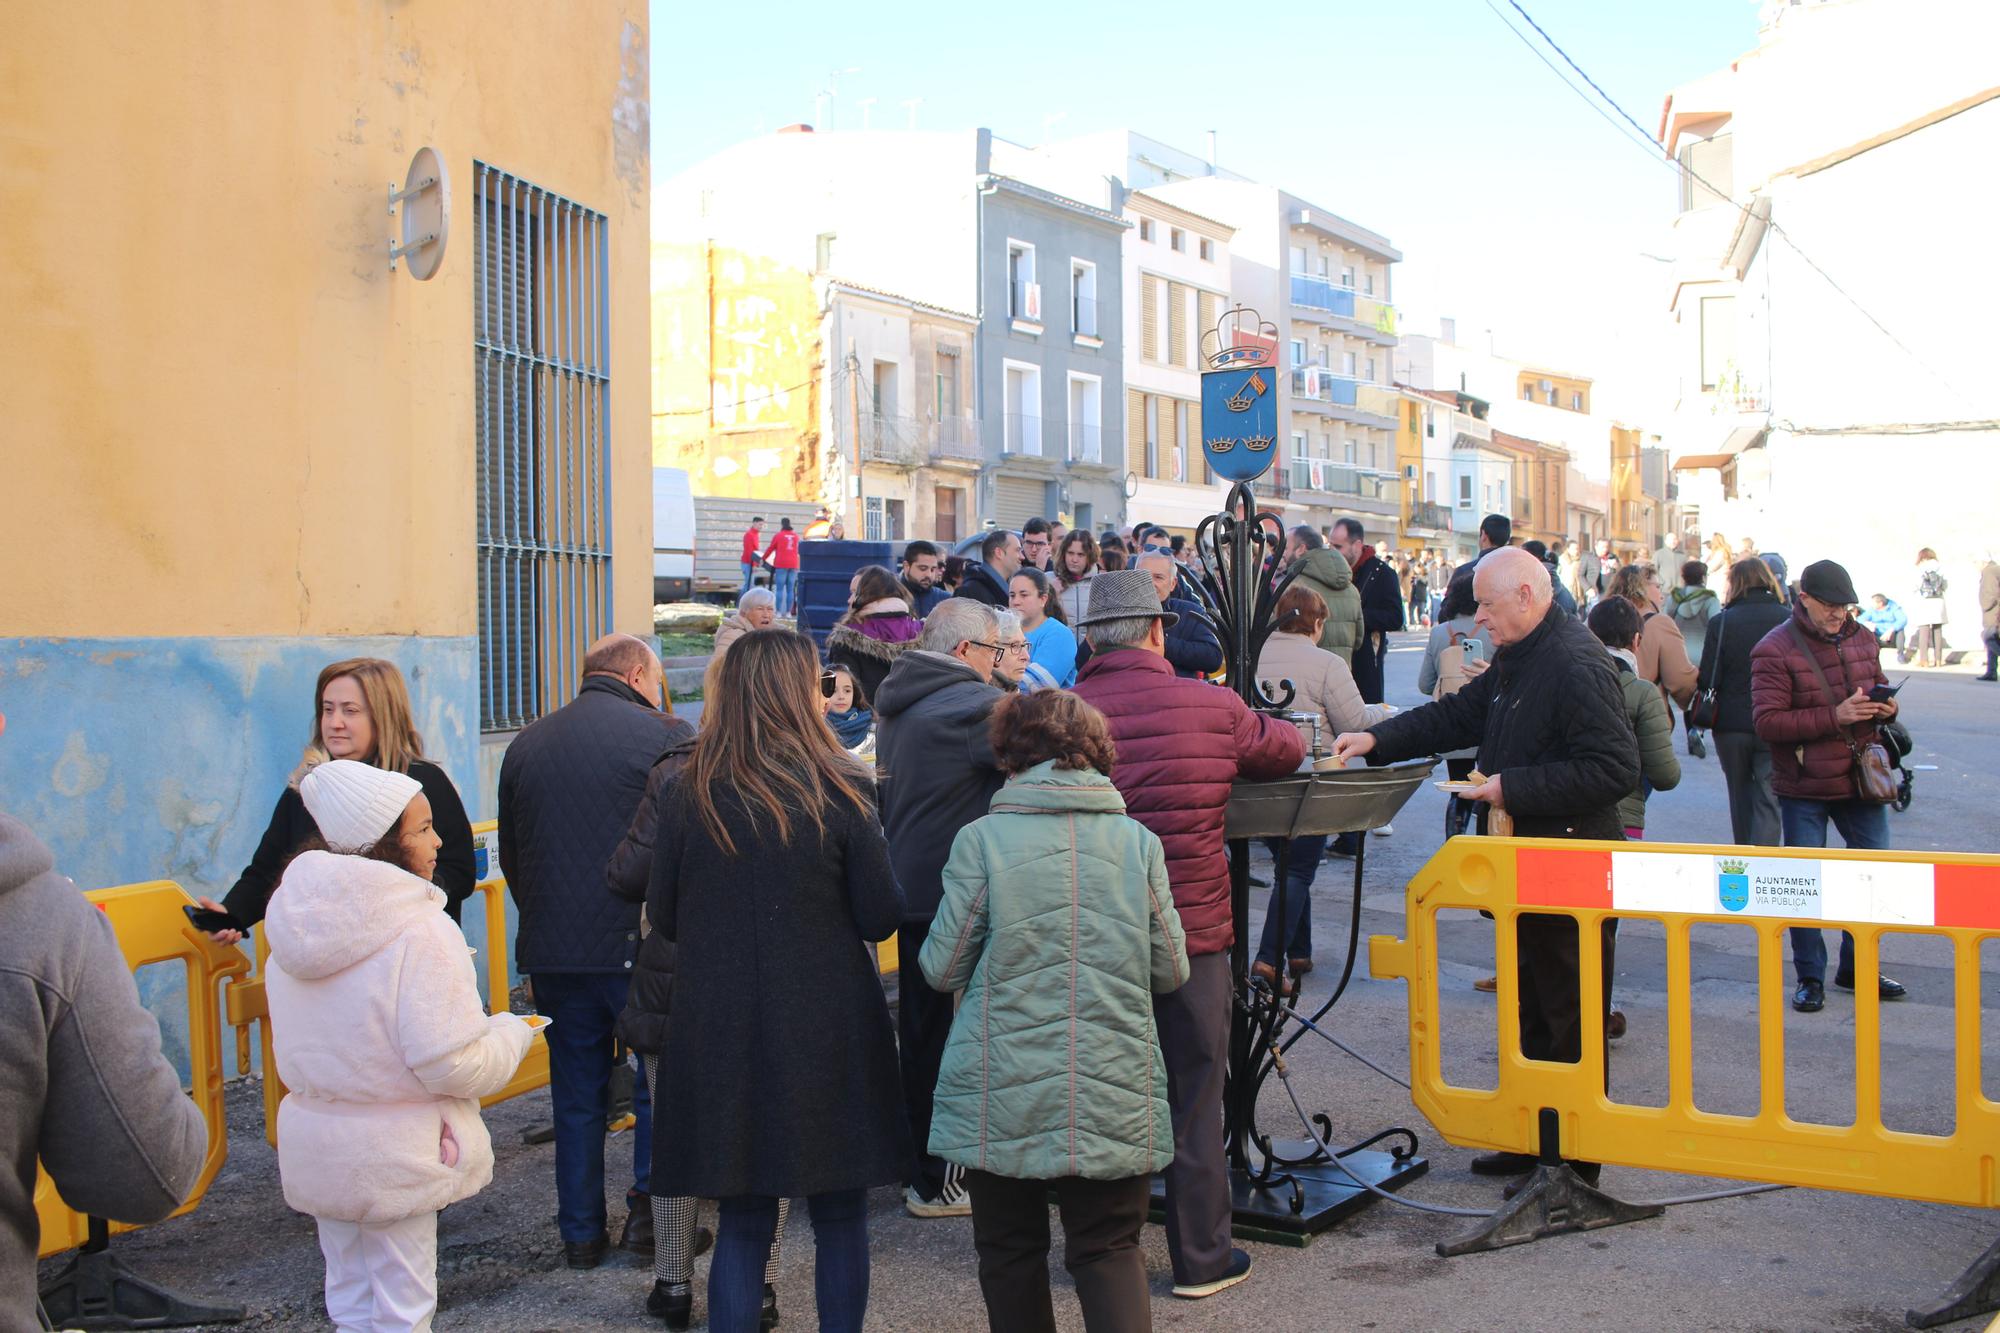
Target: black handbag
{"x":1705,"y":709}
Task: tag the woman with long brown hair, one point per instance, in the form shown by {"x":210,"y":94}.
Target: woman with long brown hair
{"x":1076,"y":566}
{"x":876,"y":629}
{"x":361,"y":711}
{"x":778,"y":1074}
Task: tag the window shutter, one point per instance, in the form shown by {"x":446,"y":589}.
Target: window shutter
{"x":1135,"y":427}
{"x":1206,"y":303}
{"x":1167,"y":440}
{"x":1149,"y":319}
{"x":1177,"y":304}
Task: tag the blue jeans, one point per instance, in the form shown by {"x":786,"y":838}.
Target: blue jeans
{"x":785,"y":583}
{"x":1301,"y":864}
{"x":1862,"y":824}
{"x":743,"y":1246}
{"x":749,"y":578}
{"x":583,"y":1007}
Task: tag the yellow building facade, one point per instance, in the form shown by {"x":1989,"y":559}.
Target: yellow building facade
{"x":239,"y":446}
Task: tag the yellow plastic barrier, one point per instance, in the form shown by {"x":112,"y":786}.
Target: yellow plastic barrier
{"x":1871,"y":894}
{"x":247,"y":1002}
{"x":152,"y":929}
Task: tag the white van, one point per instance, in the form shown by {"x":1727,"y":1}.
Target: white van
{"x":673,"y":535}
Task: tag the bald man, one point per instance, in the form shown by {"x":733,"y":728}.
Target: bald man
{"x":568,"y":788}
{"x":1549,"y":720}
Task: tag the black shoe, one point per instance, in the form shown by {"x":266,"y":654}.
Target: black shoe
{"x":1810,"y":997}
{"x":1504,"y":1164}
{"x":1614,"y":1026}
{"x":673,"y":1302}
{"x":1257,"y":881}
{"x":769,"y":1316}
{"x":1887,"y":987}
{"x":637,"y":1237}
{"x":1238,"y":1270}
{"x":1588,"y":1172}
{"x":586,"y":1253}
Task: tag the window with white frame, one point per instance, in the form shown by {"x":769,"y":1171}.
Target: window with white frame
{"x":825,"y":251}
{"x":1083,"y":298}
{"x":882,"y":519}
{"x":1347,"y":364}
{"x":1023,"y":406}
{"x":1299,"y":260}
{"x":1465,"y":490}
{"x":1368,"y":284}
{"x":1024,"y":294}
{"x":1347,"y":277}
{"x":1178,"y":239}
{"x":541,"y":443}
{"x":1575,"y":401}
{"x":1298,"y":351}
{"x":1207,"y":250}
{"x":1370,"y":377}
{"x":1145,"y":229}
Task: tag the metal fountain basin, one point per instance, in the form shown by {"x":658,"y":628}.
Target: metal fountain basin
{"x":1328,"y":800}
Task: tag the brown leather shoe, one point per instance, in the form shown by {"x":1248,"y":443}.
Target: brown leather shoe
{"x":1614,"y":1027}
{"x":1490,"y":985}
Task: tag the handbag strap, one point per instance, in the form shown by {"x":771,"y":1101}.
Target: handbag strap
{"x":1812,"y":660}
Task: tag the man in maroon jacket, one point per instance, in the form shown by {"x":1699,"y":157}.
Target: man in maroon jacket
{"x":1180,"y":745}
{"x":1809,"y":684}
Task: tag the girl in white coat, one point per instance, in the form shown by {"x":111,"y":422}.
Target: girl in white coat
{"x":380,"y":1037}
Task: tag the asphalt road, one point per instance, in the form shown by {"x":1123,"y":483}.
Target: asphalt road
{"x":1794,"y":1259}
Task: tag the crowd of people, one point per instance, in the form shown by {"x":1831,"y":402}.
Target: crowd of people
{"x":1016,"y":765}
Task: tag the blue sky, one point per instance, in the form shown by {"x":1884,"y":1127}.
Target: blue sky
{"x":1516,"y":207}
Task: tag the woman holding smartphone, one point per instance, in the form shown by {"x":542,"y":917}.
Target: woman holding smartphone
{"x":361,"y":712}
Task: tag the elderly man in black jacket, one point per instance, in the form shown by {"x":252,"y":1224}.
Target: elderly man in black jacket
{"x":568,"y":788}
{"x":1549,"y":719}
{"x":938,"y":774}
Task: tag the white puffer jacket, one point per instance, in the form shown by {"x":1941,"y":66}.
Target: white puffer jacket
{"x":380,"y":1037}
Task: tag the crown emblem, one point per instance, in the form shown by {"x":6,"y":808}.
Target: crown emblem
{"x":1241,"y":337}
{"x":1733,"y":867}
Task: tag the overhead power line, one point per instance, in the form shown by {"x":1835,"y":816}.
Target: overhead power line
{"x":1651,"y":148}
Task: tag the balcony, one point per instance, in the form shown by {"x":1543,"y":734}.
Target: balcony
{"x":1024,"y":435}
{"x":890,"y":441}
{"x":1319,"y":388}
{"x":1086,"y":443}
{"x":955,"y":440}
{"x":1430,"y":516}
{"x":1325,"y":301}
{"x":1329,"y":477}
{"x":1083,"y":317}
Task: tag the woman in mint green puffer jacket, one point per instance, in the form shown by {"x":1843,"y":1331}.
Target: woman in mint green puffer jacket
{"x":1058,"y":924}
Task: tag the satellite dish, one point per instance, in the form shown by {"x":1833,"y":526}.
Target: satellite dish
{"x":426,"y":201}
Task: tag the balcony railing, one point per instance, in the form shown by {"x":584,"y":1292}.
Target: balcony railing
{"x":1320,"y":384}
{"x":1321,"y":294}
{"x":1024,"y":434}
{"x":1083,"y":316}
{"x":1330,"y":477}
{"x":1430,"y":514}
{"x":889,"y":439}
{"x":1086,"y":442}
{"x":956,"y":437}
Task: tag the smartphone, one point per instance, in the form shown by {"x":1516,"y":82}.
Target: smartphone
{"x":1475,"y":650}
{"x":209,"y":921}
{"x":1884,"y":692}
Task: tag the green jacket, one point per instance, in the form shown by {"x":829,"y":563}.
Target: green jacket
{"x":1326,"y":572}
{"x":1059,"y":925}
{"x":1654,"y":726}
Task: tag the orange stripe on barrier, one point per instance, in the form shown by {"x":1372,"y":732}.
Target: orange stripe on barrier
{"x":1558,"y":878}
{"x":1968,"y":896}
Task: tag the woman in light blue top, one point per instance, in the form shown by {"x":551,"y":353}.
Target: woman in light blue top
{"x":1051,"y":642}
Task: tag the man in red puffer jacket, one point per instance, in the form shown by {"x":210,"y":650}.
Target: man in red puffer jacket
{"x":1814,"y":721}
{"x":1181,"y":743}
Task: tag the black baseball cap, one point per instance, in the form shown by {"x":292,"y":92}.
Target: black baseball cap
{"x":1825,"y":581}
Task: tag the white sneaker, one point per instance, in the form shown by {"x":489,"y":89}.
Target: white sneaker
{"x":951,"y":1201}
{"x":1384,"y":831}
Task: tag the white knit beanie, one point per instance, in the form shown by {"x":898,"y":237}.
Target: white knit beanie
{"x":354,"y":804}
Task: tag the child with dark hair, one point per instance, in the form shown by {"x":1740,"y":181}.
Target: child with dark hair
{"x":1097,"y":1146}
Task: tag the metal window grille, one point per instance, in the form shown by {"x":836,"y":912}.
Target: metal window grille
{"x":541,"y":362}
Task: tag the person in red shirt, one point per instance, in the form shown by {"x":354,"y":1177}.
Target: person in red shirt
{"x":753,"y":555}
{"x":783,"y":557}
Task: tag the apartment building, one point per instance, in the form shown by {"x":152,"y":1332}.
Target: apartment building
{"x":1841,"y":149}
{"x":925,"y":360}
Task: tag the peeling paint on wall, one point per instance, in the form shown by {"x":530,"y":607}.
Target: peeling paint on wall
{"x":632,"y":114}
{"x":78,"y":772}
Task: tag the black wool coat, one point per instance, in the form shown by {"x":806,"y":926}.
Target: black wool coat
{"x":292,"y":824}
{"x":780,"y":1059}
{"x":1725,"y":653}
{"x":642,"y":1024}
{"x":568,"y":788}
{"x":1549,"y":720}
{"x":1381,"y":613}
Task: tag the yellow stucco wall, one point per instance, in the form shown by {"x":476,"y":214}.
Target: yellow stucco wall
{"x":736,"y":372}
{"x":1563,"y":385}
{"x":224,"y":414}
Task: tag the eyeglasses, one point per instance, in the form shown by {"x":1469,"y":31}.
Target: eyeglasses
{"x":1015,"y":646}
{"x":1034,"y":543}
{"x":999,"y":650}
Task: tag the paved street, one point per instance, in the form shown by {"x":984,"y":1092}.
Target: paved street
{"x":1788,"y":1260}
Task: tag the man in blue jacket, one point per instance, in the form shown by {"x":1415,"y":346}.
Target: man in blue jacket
{"x":568,"y":789}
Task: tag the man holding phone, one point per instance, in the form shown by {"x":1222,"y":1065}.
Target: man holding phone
{"x":1817,"y":695}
